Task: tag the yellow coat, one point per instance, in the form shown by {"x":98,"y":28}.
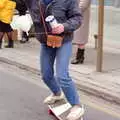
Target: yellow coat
{"x":7,"y":10}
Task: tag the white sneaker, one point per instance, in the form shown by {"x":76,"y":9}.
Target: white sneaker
{"x":53,"y":98}
{"x":76,"y":112}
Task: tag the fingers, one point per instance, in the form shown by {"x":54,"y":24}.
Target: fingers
{"x":58,"y":30}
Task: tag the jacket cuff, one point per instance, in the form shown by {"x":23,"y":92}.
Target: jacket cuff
{"x":66,"y":27}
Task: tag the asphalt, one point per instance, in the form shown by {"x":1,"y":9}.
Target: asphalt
{"x":21,"y":98}
{"x":105,"y":84}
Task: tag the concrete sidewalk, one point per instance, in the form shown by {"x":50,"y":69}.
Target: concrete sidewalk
{"x":105,"y":84}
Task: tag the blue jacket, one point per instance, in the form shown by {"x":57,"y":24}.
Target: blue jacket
{"x":66,"y":12}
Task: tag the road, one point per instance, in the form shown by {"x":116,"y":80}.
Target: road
{"x":22,"y":94}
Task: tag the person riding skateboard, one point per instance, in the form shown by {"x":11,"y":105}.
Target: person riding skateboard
{"x":69,"y":18}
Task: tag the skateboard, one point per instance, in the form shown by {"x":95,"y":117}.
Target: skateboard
{"x":60,"y":110}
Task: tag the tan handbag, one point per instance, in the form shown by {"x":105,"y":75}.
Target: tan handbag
{"x":52,"y":40}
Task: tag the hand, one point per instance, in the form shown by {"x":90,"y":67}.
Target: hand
{"x":58,"y":30}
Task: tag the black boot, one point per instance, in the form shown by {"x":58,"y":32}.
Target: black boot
{"x":25,"y":38}
{"x":10,"y":44}
{"x":79,"y":57}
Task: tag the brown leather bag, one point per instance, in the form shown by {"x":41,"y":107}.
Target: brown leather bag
{"x":52,"y":40}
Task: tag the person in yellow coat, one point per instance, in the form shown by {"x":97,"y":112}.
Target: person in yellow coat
{"x":7,"y":8}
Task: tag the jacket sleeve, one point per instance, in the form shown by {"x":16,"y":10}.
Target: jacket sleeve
{"x":84,"y":4}
{"x":2,"y":3}
{"x":74,"y":17}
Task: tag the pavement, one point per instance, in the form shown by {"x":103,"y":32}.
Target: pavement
{"x":21,"y":98}
{"x":105,"y":84}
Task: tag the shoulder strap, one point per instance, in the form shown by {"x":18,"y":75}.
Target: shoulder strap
{"x":42,"y":18}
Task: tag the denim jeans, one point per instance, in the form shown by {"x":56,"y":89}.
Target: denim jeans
{"x":61,"y":80}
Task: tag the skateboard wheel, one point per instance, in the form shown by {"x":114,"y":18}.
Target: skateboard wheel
{"x":50,"y":112}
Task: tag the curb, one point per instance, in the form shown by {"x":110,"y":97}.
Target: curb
{"x":100,"y":94}
{"x":19,"y":65}
{"x":81,"y":86}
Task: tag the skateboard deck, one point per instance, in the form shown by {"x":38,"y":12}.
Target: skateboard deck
{"x":60,"y":110}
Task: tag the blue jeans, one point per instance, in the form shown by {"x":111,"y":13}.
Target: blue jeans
{"x":61,"y":80}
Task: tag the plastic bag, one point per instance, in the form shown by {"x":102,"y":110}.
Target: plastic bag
{"x":23,"y":23}
{"x":13,"y":23}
